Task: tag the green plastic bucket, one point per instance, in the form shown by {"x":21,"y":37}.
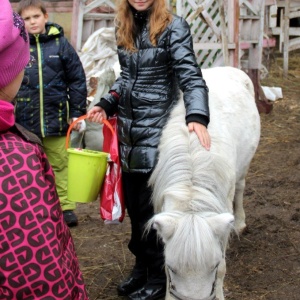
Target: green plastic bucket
{"x":86,"y":172}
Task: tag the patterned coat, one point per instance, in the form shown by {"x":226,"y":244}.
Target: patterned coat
{"x":37,"y":256}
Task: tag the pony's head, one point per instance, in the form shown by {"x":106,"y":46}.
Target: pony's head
{"x":194,"y":251}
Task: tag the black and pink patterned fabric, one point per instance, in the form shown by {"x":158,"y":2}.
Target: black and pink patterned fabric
{"x":37,"y":256}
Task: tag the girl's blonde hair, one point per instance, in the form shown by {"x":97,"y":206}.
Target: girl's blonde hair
{"x":160,"y":17}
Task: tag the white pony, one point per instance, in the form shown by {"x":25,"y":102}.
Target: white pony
{"x":198,"y":194}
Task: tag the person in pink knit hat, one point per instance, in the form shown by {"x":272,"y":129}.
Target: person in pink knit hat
{"x":37,"y":254}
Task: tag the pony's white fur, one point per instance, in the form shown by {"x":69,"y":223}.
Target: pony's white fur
{"x":196,"y":192}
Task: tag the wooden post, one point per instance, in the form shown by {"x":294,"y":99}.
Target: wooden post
{"x":286,"y":38}
{"x":179,"y":6}
{"x":255,"y":51}
{"x":75,"y":13}
{"x":80,"y":24}
{"x":77,"y":23}
{"x":233,"y":14}
{"x":224,"y":33}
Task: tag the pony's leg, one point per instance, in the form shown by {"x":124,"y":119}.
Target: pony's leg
{"x":220,"y":279}
{"x":168,"y":296}
{"x":238,"y":206}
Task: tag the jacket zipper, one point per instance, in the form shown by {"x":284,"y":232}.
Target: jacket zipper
{"x":38,"y":47}
{"x":140,"y":40}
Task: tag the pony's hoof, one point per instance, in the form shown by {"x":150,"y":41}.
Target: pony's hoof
{"x":240,"y":227}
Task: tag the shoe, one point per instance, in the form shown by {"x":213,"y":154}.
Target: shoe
{"x":149,"y":293}
{"x":131,"y":284}
{"x":70,"y":218}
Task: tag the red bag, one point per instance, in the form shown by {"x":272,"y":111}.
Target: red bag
{"x":112,"y":207}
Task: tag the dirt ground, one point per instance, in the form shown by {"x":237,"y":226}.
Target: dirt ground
{"x":264,"y":262}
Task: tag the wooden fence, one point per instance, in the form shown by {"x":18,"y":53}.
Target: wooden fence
{"x":225,"y":32}
{"x":80,"y":18}
{"x":289,"y":37}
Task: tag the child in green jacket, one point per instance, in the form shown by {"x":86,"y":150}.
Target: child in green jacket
{"x":53,"y":93}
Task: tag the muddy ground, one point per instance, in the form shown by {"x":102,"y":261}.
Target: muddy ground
{"x":264,"y":262}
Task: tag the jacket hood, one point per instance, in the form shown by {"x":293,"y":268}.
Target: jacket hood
{"x":7,"y":119}
{"x":53,"y":30}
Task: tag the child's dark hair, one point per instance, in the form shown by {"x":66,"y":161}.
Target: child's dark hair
{"x":23,"y":4}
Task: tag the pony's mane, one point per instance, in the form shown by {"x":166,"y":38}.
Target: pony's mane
{"x":193,"y":244}
{"x":191,"y":180}
{"x":186,"y":173}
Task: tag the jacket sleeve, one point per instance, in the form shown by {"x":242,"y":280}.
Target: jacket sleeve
{"x":76,"y":80}
{"x":109,"y":102}
{"x":188,"y":73}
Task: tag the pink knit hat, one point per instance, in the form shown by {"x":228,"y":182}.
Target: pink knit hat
{"x":14,"y":45}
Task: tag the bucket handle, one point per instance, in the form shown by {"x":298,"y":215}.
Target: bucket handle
{"x":105,"y":122}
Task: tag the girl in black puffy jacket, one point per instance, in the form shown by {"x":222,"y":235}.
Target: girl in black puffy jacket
{"x":157,"y":60}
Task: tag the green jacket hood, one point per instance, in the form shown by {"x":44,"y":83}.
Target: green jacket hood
{"x":53,"y":30}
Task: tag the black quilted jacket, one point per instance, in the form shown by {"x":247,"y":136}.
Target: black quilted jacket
{"x":54,"y":85}
{"x":149,"y":87}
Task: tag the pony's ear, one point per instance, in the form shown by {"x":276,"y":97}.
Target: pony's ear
{"x":221,"y":223}
{"x":165,"y":226}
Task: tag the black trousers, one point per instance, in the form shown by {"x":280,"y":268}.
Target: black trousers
{"x":147,"y":248}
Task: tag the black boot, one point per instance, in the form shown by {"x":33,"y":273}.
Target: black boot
{"x":135,"y":281}
{"x":70,"y":218}
{"x":155,"y":288}
{"x":149,"y":293}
